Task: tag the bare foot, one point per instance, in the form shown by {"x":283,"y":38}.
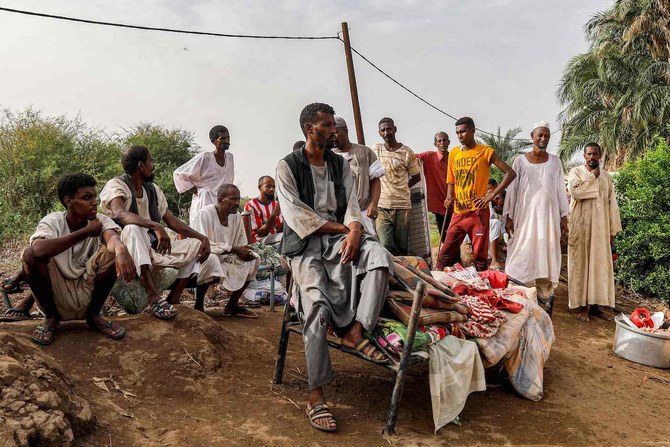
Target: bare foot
{"x":496,"y":266}
{"x":584,"y":314}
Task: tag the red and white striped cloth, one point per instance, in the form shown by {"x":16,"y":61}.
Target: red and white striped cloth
{"x":260,"y":214}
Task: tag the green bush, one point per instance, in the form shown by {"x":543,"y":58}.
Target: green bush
{"x":643,"y":191}
{"x":36,"y":150}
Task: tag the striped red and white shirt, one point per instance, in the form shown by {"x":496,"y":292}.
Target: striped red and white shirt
{"x":260,"y":214}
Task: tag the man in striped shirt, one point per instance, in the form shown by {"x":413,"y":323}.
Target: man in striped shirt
{"x":266,"y":221}
{"x":401,"y":173}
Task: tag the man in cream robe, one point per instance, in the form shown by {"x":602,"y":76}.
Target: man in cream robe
{"x":237,"y":263}
{"x":594,"y":221}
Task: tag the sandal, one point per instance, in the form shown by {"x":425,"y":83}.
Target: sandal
{"x":109,"y":328}
{"x":163,"y":310}
{"x":240,"y":312}
{"x":321,"y":411}
{"x":15,"y":314}
{"x":368,"y":350}
{"x":251,"y":304}
{"x":14,"y":286}
{"x":43,"y":335}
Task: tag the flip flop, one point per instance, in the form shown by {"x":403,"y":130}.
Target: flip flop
{"x":18,"y":315}
{"x":43,"y":330}
{"x":320,"y":411}
{"x":163,"y":310}
{"x":109,"y":328}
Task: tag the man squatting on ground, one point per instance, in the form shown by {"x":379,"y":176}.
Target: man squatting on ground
{"x":73,"y":260}
{"x":467,"y":181}
{"x":401,"y":172}
{"x":594,"y":221}
{"x":139,"y":206}
{"x":536,"y":210}
{"x":236,"y":263}
{"x":340,"y":274}
{"x":366,"y":171}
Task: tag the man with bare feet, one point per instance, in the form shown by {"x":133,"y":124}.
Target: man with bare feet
{"x":340,"y":274}
{"x":139,"y":206}
{"x":73,"y":260}
{"x":594,"y":221}
{"x":238,"y":264}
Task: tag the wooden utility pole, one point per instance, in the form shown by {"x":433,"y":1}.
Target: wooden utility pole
{"x":352,"y":84}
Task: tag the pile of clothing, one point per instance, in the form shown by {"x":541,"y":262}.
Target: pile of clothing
{"x":474,"y":320}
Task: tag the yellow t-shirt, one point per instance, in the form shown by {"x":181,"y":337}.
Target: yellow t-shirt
{"x":469,"y":170}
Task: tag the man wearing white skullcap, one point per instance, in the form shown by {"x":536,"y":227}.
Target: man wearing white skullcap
{"x":536,"y":213}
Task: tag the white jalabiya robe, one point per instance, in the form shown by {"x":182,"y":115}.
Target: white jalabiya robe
{"x":233,"y":271}
{"x":204,"y":173}
{"x":183,"y":253}
{"x":536,"y":201}
{"x":594,"y":217}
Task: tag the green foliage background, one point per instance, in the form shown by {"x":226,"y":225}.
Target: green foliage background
{"x":643,"y":191}
{"x":36,"y":150}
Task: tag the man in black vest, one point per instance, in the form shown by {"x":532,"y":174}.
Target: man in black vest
{"x":139,"y":206}
{"x":340,"y":274}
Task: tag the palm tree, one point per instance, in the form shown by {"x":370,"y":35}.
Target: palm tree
{"x":618,"y":93}
{"x":507,"y":147}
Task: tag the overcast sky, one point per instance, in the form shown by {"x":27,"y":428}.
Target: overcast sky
{"x":498,"y":61}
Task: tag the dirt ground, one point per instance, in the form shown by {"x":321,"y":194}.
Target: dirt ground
{"x":205,"y":380}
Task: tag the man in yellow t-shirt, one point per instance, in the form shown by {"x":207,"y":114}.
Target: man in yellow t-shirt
{"x":467,"y":182}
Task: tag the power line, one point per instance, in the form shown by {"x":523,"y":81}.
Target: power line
{"x":167,"y":30}
{"x":429,"y":104}
{"x":243,"y":36}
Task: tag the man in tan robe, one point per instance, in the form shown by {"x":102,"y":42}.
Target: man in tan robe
{"x":594,"y":221}
{"x":139,"y":206}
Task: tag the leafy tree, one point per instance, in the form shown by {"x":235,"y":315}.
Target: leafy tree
{"x":170,"y":148}
{"x":643,"y":192}
{"x":35,"y":151}
{"x":618,"y":93}
{"x":507,"y":147}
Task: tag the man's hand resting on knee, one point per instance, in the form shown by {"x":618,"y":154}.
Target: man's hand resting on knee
{"x":352,"y":243}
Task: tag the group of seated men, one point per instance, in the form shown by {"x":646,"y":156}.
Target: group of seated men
{"x":75,"y":256}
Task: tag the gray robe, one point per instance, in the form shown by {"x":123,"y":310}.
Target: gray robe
{"x":327,"y":291}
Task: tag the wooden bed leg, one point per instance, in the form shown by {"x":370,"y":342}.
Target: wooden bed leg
{"x":399,"y":387}
{"x":283,"y":337}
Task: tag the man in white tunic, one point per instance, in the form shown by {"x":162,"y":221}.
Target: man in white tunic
{"x":139,"y":206}
{"x":204,"y":174}
{"x":340,"y":275}
{"x":73,"y":260}
{"x":238,"y":264}
{"x":536,"y":210}
{"x":594,"y":221}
